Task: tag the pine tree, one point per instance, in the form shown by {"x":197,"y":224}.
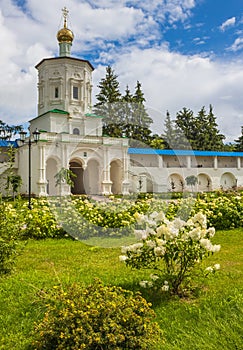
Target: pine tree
{"x":127,"y":113}
{"x":123,"y":115}
{"x":140,"y":121}
{"x":140,"y":115}
{"x":213,"y":137}
{"x":173,"y":136}
{"x":239,"y":142}
{"x":109,"y":103}
{"x":201,"y":131}
{"x":128,"y":96}
{"x":169,"y":132}
{"x":208,"y":136}
{"x":201,"y":141}
{"x":187,"y":128}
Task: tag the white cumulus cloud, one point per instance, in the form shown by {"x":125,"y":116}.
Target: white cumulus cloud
{"x":228,"y":23}
{"x":237,"y":45}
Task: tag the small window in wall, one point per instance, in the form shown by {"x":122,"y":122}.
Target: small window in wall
{"x":75,"y":92}
{"x":56,"y":94}
{"x":76,"y":131}
{"x":41,"y":93}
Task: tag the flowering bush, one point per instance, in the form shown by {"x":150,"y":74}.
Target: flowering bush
{"x":82,"y":218}
{"x":171,"y":248}
{"x":223,"y":210}
{"x":10,"y":244}
{"x":40,"y":222}
{"x":98,"y":317}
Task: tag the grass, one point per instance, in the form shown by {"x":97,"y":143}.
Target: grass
{"x":211,"y":320}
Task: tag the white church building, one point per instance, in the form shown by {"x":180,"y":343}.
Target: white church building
{"x":71,"y":138}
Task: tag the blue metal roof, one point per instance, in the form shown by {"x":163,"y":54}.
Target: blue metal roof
{"x":7,"y":143}
{"x":178,"y":152}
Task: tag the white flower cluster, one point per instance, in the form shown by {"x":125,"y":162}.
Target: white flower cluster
{"x":176,"y":242}
{"x":149,"y":284}
{"x":214,"y":268}
{"x":146,"y":284}
{"x":206,"y":243}
{"x":132,"y":248}
{"x":156,"y":237}
{"x":165,"y":287}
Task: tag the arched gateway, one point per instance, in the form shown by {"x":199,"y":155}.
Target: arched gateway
{"x":76,"y":167}
{"x":87,"y":177}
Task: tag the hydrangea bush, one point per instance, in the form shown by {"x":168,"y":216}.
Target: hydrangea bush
{"x":223,"y":210}
{"x":82,"y":218}
{"x":172,"y":249}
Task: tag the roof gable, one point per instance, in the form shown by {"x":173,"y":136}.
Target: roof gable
{"x":64,"y":58}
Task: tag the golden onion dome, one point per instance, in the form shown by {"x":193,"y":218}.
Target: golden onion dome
{"x":65,"y":35}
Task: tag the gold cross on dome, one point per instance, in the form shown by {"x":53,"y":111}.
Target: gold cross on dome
{"x":65,"y":14}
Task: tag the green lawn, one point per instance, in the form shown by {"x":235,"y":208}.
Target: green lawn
{"x":212,"y":320}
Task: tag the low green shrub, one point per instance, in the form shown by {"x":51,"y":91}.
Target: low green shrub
{"x":97,"y":317}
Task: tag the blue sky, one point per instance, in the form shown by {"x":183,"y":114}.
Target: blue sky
{"x":205,"y":28}
{"x":212,"y":29}
{"x":186,"y":53}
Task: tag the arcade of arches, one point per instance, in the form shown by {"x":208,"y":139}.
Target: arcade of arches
{"x":87,"y":179}
{"x":177,"y":183}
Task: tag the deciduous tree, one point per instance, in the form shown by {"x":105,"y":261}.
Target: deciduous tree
{"x":191,"y":181}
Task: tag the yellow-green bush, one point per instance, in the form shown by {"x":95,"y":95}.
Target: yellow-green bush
{"x":9,"y":237}
{"x":97,"y":317}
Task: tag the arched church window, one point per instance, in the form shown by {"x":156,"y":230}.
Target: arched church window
{"x":76,"y":131}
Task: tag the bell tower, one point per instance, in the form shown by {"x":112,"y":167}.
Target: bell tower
{"x":64,"y":82}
